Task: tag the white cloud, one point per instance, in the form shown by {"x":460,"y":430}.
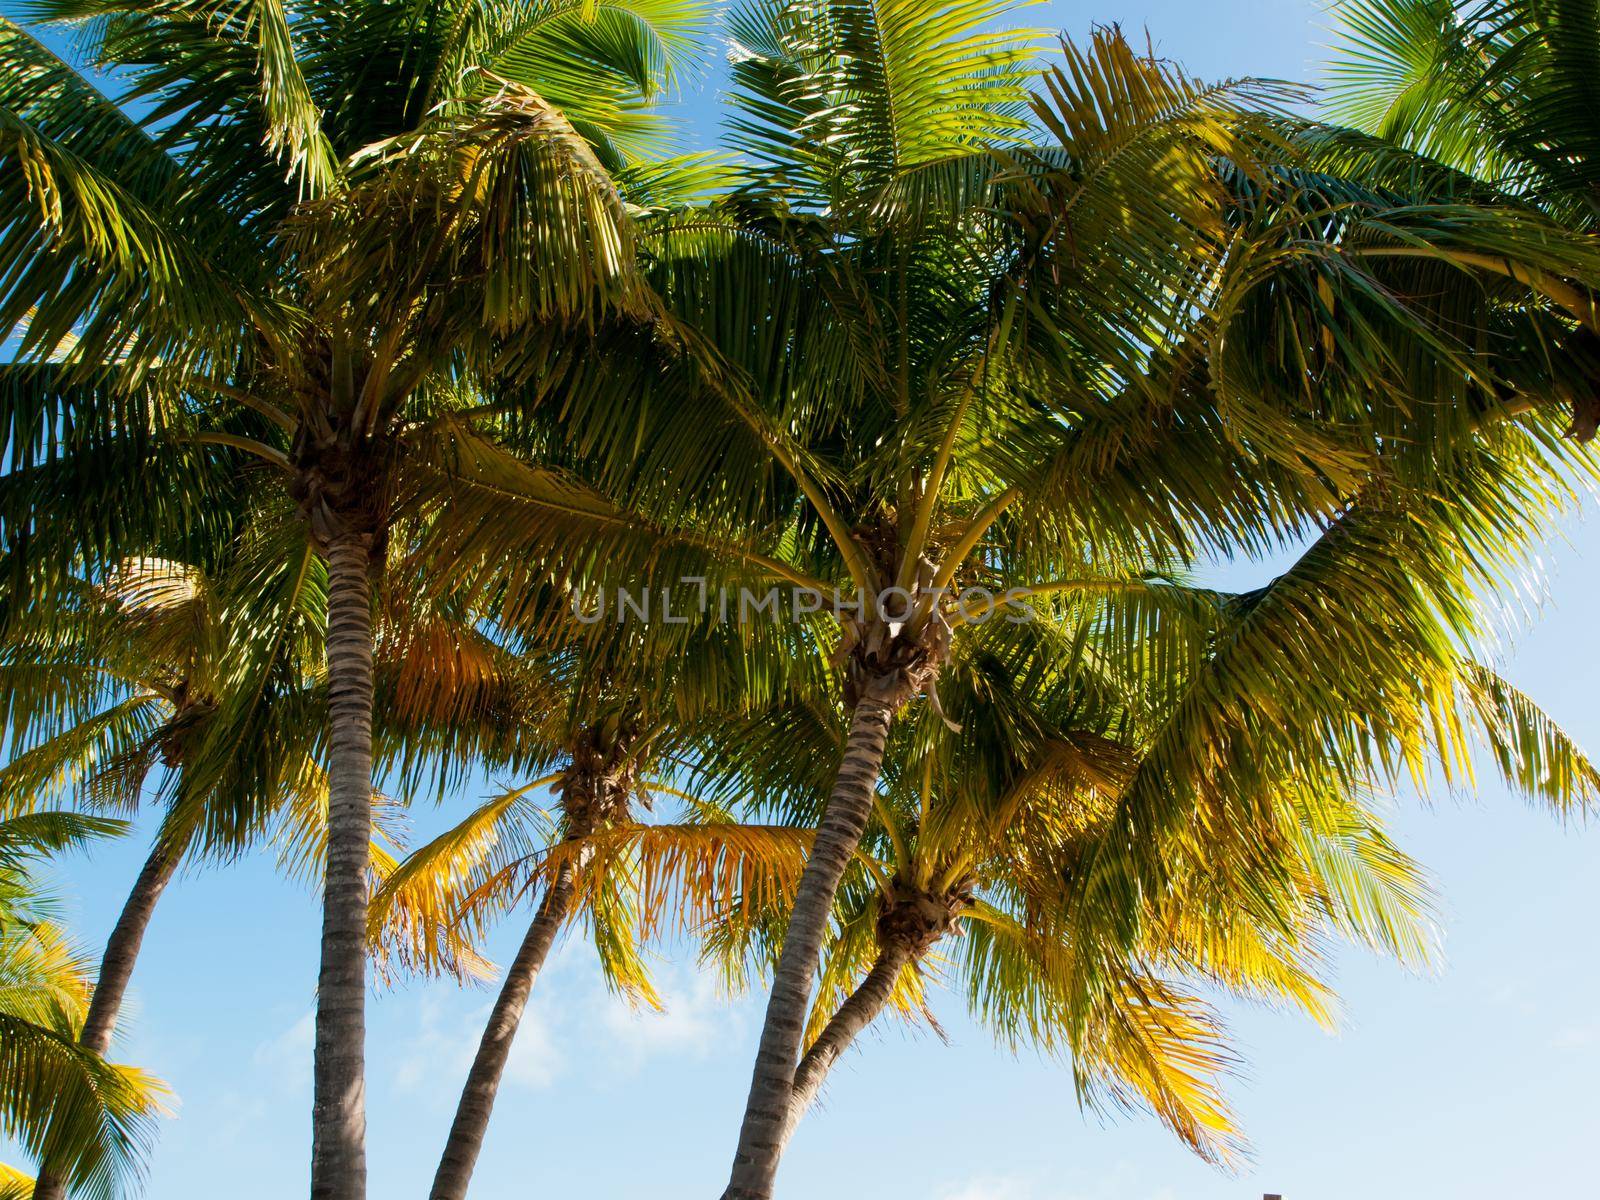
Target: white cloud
{"x":1576,"y":1037}
{"x":287,"y":1056}
{"x":570,"y":1006}
{"x":695,"y":1019}
{"x":534,"y":1061}
{"x":1124,"y":1181}
{"x":989,"y":1189}
{"x":437,"y":1056}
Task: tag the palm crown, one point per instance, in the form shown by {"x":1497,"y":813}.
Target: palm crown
{"x":1068,"y":727}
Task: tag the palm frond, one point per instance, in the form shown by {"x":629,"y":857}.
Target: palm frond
{"x":67,"y":1106}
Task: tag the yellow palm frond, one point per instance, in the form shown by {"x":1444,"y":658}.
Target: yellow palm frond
{"x":433,"y":907}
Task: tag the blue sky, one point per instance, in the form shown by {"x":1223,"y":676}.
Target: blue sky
{"x":1473,"y":1083}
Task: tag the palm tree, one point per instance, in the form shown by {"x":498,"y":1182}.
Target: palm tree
{"x":154,"y":666}
{"x":926,"y":355}
{"x":210,"y":679}
{"x":608,"y":756}
{"x":326,"y":225}
{"x":61,"y":1101}
{"x":973,"y":835}
{"x":981,"y":831}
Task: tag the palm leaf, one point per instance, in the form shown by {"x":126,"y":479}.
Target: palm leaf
{"x":67,"y":1106}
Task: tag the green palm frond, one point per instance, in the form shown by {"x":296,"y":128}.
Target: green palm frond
{"x":85,"y":190}
{"x":44,"y":978}
{"x":66,"y":1105}
{"x":599,"y":63}
{"x":508,"y":217}
{"x":836,"y":95}
{"x":1371,"y":890}
{"x":93,"y":1118}
{"x":293,"y":123}
{"x":1406,"y":72}
{"x":36,"y":833}
{"x":1504,"y":89}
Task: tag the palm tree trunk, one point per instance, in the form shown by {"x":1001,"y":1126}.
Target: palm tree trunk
{"x":483,"y":1081}
{"x":854,"y":1015}
{"x":116,"y":969}
{"x":338,"y":1113}
{"x":755,"y":1163}
{"x":122,"y":948}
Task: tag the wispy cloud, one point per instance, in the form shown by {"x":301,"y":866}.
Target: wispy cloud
{"x":695,"y":1019}
{"x":989,"y":1189}
{"x":446,"y":1040}
{"x":1125,"y":1181}
{"x":535,"y":1061}
{"x":1576,"y":1037}
{"x":570,"y":1006}
{"x":286,"y":1056}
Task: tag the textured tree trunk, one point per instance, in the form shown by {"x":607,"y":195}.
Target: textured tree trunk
{"x":116,"y":969}
{"x":122,"y":948}
{"x":854,"y":1015}
{"x":483,"y":1081}
{"x":338,"y":1113}
{"x":766,"y":1116}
